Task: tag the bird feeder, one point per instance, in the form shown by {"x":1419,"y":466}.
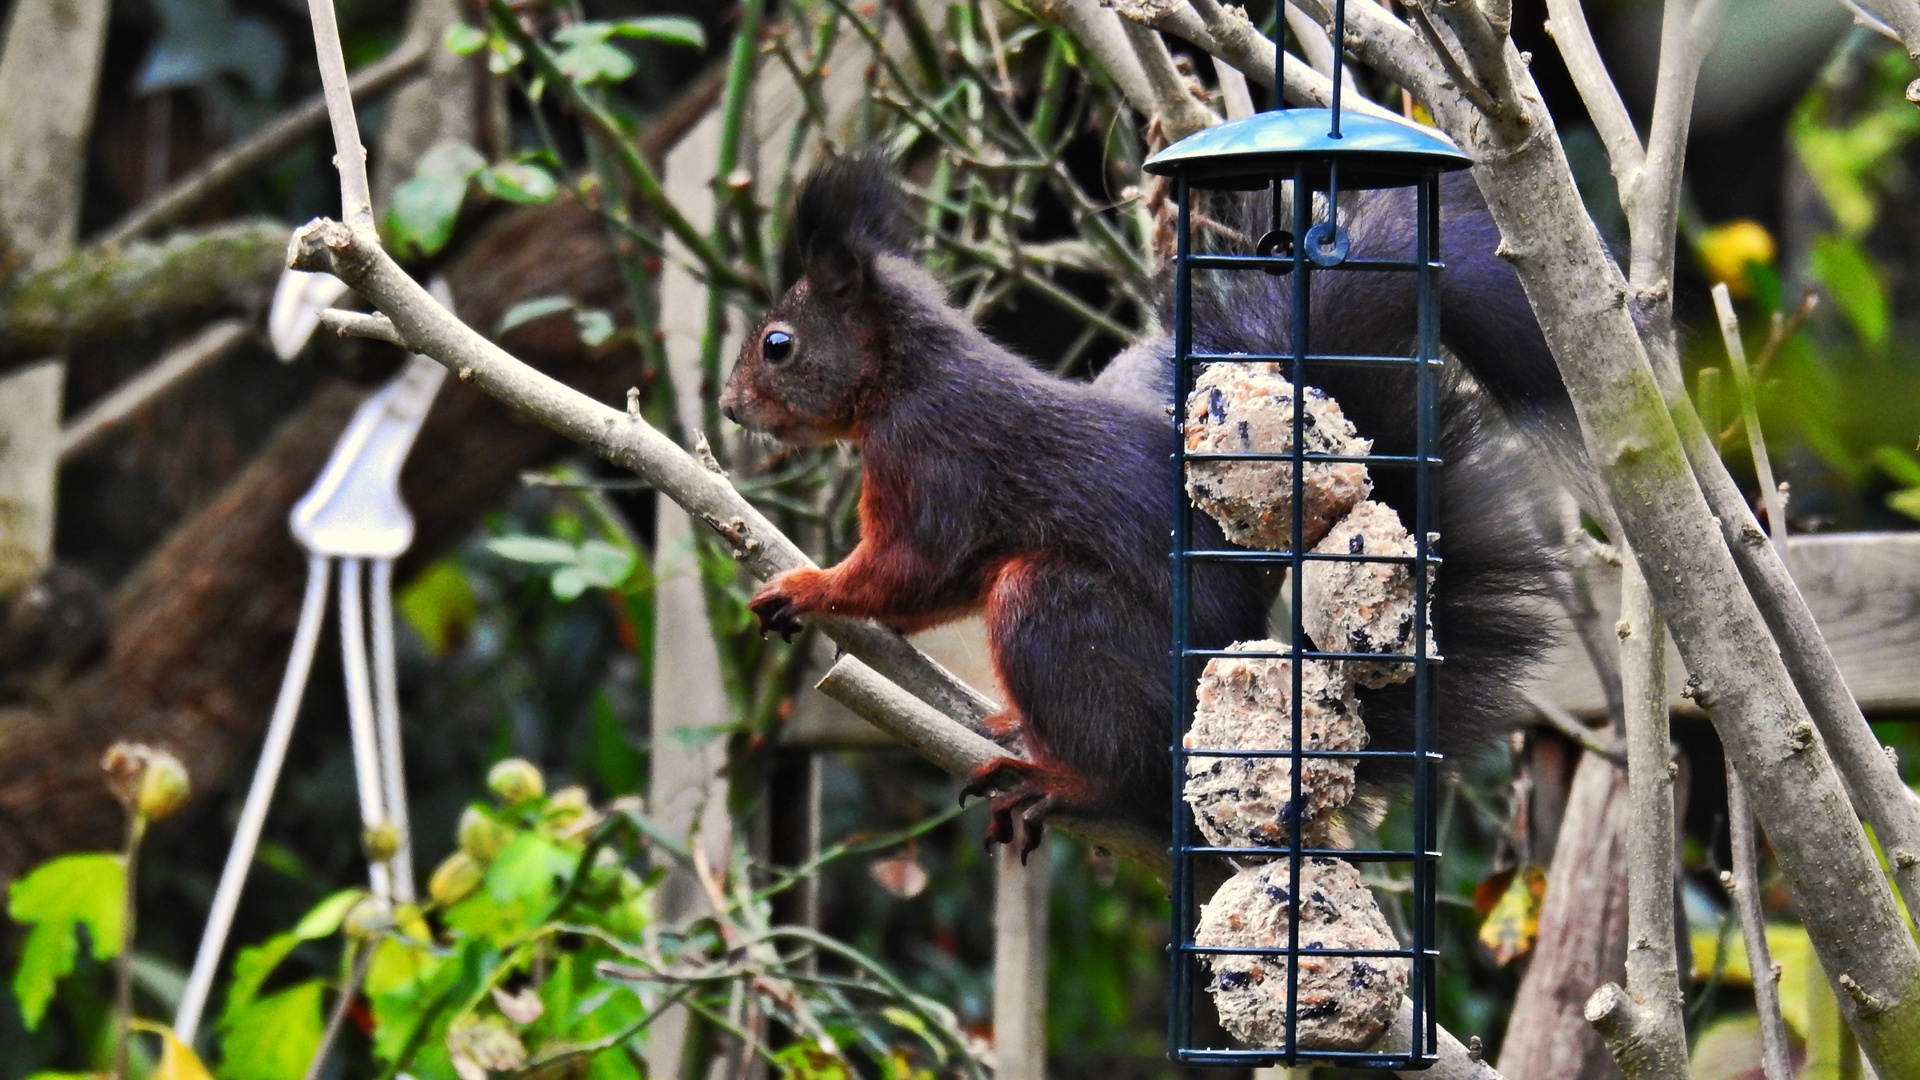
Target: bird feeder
{"x":1306,"y":157}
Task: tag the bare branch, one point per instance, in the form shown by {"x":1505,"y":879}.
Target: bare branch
{"x":1233,"y":89}
{"x":1394,"y":49}
{"x":1643,"y":1028}
{"x":1487,"y":56}
{"x":360,"y":324}
{"x":1653,"y":203}
{"x":350,"y":157}
{"x":1750,"y":417}
{"x":1567,"y":23}
{"x":1316,"y":45}
{"x":235,"y":161}
{"x":1569,"y":725}
{"x":1902,"y":17}
{"x":1098,"y":29}
{"x":1228,"y":35}
{"x":626,"y":440}
{"x":1180,"y":113}
{"x":166,"y":375}
{"x":1743,"y":888}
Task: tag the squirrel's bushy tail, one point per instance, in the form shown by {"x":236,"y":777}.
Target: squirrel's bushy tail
{"x":1490,"y":620}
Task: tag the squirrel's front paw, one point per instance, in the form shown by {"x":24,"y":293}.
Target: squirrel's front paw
{"x":776,"y":606}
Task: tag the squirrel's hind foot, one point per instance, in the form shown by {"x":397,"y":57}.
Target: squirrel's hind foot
{"x":1023,"y":794}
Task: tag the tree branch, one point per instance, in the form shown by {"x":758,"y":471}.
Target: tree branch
{"x":350,"y":157}
{"x":1643,"y":1027}
{"x":622,"y":438}
{"x":103,"y":293}
{"x":1743,"y":889}
{"x":1653,"y":203}
{"x":1179,"y":113}
{"x":235,"y":161}
{"x":1567,"y":24}
{"x":167,"y":374}
{"x":1099,"y":30}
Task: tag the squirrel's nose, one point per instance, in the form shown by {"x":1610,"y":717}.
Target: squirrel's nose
{"x":726,"y":410}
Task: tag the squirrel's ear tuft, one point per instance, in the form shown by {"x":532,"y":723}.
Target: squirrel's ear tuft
{"x":849,"y":210}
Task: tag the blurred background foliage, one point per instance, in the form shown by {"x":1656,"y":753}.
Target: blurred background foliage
{"x":534,"y":639}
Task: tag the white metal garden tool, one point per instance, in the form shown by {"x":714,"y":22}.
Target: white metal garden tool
{"x":353,"y":513}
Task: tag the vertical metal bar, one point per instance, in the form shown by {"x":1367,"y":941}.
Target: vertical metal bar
{"x":1339,"y":61}
{"x":386,"y":711}
{"x":253,"y":815}
{"x":1180,"y":1019}
{"x":360,"y":722}
{"x":1426,"y":251}
{"x":1296,"y":643}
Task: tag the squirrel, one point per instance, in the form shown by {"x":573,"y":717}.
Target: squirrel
{"x":1044,"y":503}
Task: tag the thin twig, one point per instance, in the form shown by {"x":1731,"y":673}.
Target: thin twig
{"x":1568,"y":26}
{"x":1744,"y":389}
{"x":166,"y":375}
{"x":270,"y":142}
{"x":337,"y":1019}
{"x":1569,"y":725}
{"x":350,"y":157}
{"x":123,"y":963}
{"x":1743,"y":889}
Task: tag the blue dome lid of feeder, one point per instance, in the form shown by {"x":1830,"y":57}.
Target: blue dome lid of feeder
{"x":1372,"y":150}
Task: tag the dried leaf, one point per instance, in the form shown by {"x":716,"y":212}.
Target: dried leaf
{"x":1514,"y":923}
{"x":904,"y":877}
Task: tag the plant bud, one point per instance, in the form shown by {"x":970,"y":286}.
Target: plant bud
{"x":567,"y":805}
{"x":453,"y":879}
{"x":366,"y":919}
{"x":480,"y":836}
{"x":149,"y":782}
{"x":381,"y":841}
{"x":515,"y":781}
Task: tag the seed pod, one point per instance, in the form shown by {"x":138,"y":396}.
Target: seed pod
{"x":515,"y":781}
{"x":480,"y":836}
{"x":453,"y":879}
{"x":150,"y":782}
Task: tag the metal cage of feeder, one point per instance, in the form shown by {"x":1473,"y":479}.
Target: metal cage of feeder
{"x":1298,"y":154}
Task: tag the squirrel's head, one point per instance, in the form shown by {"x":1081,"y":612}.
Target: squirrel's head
{"x":817,"y":365}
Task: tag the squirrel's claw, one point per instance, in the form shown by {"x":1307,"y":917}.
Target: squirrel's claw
{"x":775,"y":610}
{"x":1033,"y":790}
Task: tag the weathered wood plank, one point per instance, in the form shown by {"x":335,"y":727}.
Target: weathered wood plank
{"x":1864,"y":590}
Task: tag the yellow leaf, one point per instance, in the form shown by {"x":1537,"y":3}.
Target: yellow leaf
{"x":177,"y":1059}
{"x":1514,"y":923}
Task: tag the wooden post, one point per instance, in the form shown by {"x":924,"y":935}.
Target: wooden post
{"x":1020,"y":897}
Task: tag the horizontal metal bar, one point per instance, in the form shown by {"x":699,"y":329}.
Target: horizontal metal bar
{"x":1342,"y":359}
{"x":1309,"y":654}
{"x":1234,"y":555}
{"x":1310,"y":459}
{"x":1368,"y":754}
{"x":1359,"y":1059}
{"x":1347,"y":854}
{"x":1281,"y":950}
{"x":1284,"y":263}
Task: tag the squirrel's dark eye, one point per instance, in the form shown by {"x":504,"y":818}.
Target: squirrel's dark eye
{"x":776,"y":346}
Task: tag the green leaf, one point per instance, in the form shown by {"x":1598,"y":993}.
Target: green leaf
{"x":518,"y":182}
{"x":671,"y":29}
{"x":605,"y":565}
{"x":56,"y":897}
{"x":596,"y":327}
{"x":421,"y":215}
{"x":569,"y":582}
{"x":328,"y":914}
{"x":253,"y":965}
{"x":464,"y":40}
{"x":440,"y":606}
{"x":1853,"y":281}
{"x":274,"y":1038}
{"x":594,"y":62}
{"x":1906,"y":502}
{"x":538,"y":550}
{"x":528,"y":311}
